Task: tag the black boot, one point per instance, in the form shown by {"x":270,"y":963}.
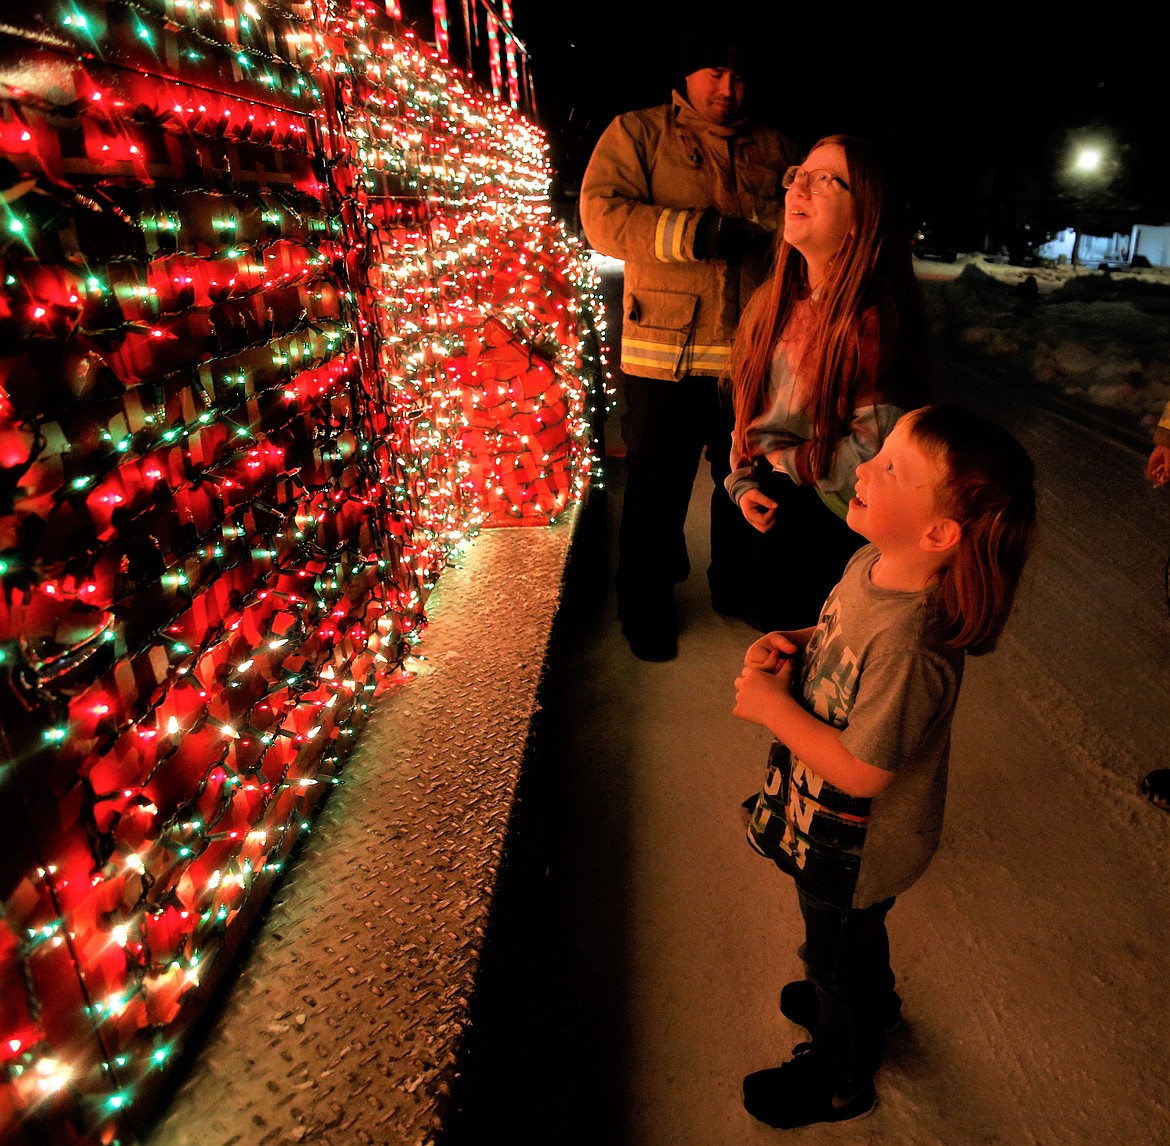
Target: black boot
{"x":651,"y":629}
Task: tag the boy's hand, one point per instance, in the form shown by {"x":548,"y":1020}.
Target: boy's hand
{"x":770,"y":652}
{"x":757,"y":692}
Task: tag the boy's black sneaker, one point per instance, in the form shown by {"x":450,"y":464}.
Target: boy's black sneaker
{"x":799,"y":1093}
{"x":799,"y":1003}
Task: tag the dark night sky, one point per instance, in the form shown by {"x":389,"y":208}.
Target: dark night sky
{"x":970,"y":115}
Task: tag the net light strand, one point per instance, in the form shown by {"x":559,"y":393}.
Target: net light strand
{"x":286,"y":320}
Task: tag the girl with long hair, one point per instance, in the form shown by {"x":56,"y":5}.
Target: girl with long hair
{"x":828,"y":356}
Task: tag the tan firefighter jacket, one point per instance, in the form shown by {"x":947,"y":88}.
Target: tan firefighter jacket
{"x":650,"y":178}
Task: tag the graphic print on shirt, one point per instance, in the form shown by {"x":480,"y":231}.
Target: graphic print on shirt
{"x":809,"y":827}
{"x":830,"y":675}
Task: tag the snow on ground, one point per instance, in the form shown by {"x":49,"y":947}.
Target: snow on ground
{"x":1092,"y":336}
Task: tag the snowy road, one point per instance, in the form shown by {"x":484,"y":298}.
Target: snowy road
{"x":1032,"y":956}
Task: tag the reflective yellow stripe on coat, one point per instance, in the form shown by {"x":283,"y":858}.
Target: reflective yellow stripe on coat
{"x":668,"y":237}
{"x":641,"y":356}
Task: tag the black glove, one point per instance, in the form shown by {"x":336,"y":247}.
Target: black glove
{"x":730,"y":238}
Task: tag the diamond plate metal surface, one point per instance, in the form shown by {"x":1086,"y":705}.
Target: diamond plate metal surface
{"x":343,"y":1023}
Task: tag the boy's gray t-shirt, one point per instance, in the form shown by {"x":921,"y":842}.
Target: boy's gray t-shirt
{"x":877,"y":669}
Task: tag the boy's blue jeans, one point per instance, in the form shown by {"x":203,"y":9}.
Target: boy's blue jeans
{"x":846,"y":955}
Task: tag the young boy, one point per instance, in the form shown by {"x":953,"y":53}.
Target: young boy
{"x":853,"y":798}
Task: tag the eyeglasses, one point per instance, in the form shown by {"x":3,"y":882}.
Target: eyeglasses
{"x":814,"y":182}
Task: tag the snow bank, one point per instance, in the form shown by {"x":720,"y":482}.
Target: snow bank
{"x":1099,"y":338}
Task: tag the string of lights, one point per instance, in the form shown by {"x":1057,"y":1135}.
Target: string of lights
{"x":285,"y":320}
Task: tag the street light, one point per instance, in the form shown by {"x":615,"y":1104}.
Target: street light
{"x":1088,"y":160}
{"x":1088,"y":164}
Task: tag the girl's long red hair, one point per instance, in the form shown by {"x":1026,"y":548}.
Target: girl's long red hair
{"x":873,"y":267}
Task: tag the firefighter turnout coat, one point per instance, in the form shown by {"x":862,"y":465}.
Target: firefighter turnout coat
{"x":650,"y":179}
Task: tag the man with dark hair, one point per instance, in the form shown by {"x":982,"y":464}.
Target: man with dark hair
{"x":688,"y":195}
